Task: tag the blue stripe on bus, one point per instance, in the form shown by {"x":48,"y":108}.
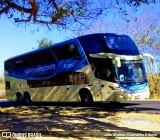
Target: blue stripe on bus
{"x":49,"y":70}
{"x":135,"y":87}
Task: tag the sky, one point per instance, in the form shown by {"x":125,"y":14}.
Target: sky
{"x":17,"y":40}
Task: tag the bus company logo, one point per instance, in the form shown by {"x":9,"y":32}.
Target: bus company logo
{"x":41,"y":69}
{"x":41,"y":72}
{"x":6,"y":134}
{"x":36,"y":72}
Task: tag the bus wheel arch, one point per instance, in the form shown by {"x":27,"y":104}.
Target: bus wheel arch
{"x":19,"y":97}
{"x":85,"y":96}
{"x":27,"y":98}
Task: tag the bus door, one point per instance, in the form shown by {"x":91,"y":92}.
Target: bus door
{"x":106,"y":77}
{"x":106,"y":91}
{"x":96,"y":88}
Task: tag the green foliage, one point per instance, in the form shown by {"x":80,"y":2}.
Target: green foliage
{"x":44,"y":42}
{"x":149,"y":36}
{"x":1,"y":83}
{"x":154,"y":85}
{"x":64,"y":13}
{"x":2,"y":87}
{"x":144,"y":39}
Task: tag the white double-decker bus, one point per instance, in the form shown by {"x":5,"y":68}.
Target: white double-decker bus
{"x":92,"y":68}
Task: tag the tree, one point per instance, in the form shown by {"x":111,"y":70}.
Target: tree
{"x":44,"y":42}
{"x":1,"y":83}
{"x":63,"y":13}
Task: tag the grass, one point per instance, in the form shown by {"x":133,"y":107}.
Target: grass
{"x":140,"y":116}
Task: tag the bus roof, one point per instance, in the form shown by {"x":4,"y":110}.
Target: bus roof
{"x":80,"y":39}
{"x":108,"y":43}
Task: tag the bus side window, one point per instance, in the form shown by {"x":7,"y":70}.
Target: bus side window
{"x":7,"y":85}
{"x":66,"y":51}
{"x":93,"y":67}
{"x":70,"y":79}
{"x":104,"y":69}
{"x":80,"y":78}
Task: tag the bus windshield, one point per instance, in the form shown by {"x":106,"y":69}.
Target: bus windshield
{"x":131,"y":71}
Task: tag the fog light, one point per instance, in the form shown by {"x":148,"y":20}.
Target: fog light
{"x":137,"y":97}
{"x":121,"y":96}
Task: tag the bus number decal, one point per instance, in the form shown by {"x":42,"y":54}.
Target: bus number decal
{"x":68,"y":65}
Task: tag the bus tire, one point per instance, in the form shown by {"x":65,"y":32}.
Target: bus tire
{"x":86,"y":97}
{"x":19,"y":98}
{"x":27,"y":98}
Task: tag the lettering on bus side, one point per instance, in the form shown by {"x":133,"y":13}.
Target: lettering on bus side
{"x":68,"y":65}
{"x":40,"y":69}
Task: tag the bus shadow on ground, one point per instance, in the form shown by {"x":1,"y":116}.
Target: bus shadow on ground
{"x":113,"y":105}
{"x":95,"y":106}
{"x":99,"y":106}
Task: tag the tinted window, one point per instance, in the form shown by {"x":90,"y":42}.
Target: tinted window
{"x":103,"y":68}
{"x":41,"y":57}
{"x":93,"y":44}
{"x":7,"y":85}
{"x":121,"y":44}
{"x":32,"y":59}
{"x":66,"y":51}
{"x":79,"y":78}
{"x":66,"y":78}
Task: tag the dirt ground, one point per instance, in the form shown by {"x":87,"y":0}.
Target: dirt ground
{"x":77,"y":123}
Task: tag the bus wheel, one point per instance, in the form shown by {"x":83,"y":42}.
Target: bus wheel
{"x":86,"y":96}
{"x":27,"y":98}
{"x":19,"y":98}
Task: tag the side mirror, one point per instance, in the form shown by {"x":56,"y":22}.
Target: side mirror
{"x":150,"y":56}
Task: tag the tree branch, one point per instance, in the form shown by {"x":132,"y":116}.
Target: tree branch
{"x":5,"y":10}
{"x":41,"y":21}
{"x":14,"y":6}
{"x":54,"y":4}
{"x":64,"y":13}
{"x":35,"y":9}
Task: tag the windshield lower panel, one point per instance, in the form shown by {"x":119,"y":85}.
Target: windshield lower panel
{"x":131,"y":72}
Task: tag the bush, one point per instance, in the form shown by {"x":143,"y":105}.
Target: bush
{"x":154,"y":85}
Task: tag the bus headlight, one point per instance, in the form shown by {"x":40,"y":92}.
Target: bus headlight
{"x":130,"y":91}
{"x":117,"y":88}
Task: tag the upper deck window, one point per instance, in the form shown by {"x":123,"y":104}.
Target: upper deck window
{"x":31,"y":59}
{"x":66,"y":51}
{"x":121,"y":44}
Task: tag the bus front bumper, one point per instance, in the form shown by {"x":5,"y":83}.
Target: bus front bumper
{"x":128,"y":96}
